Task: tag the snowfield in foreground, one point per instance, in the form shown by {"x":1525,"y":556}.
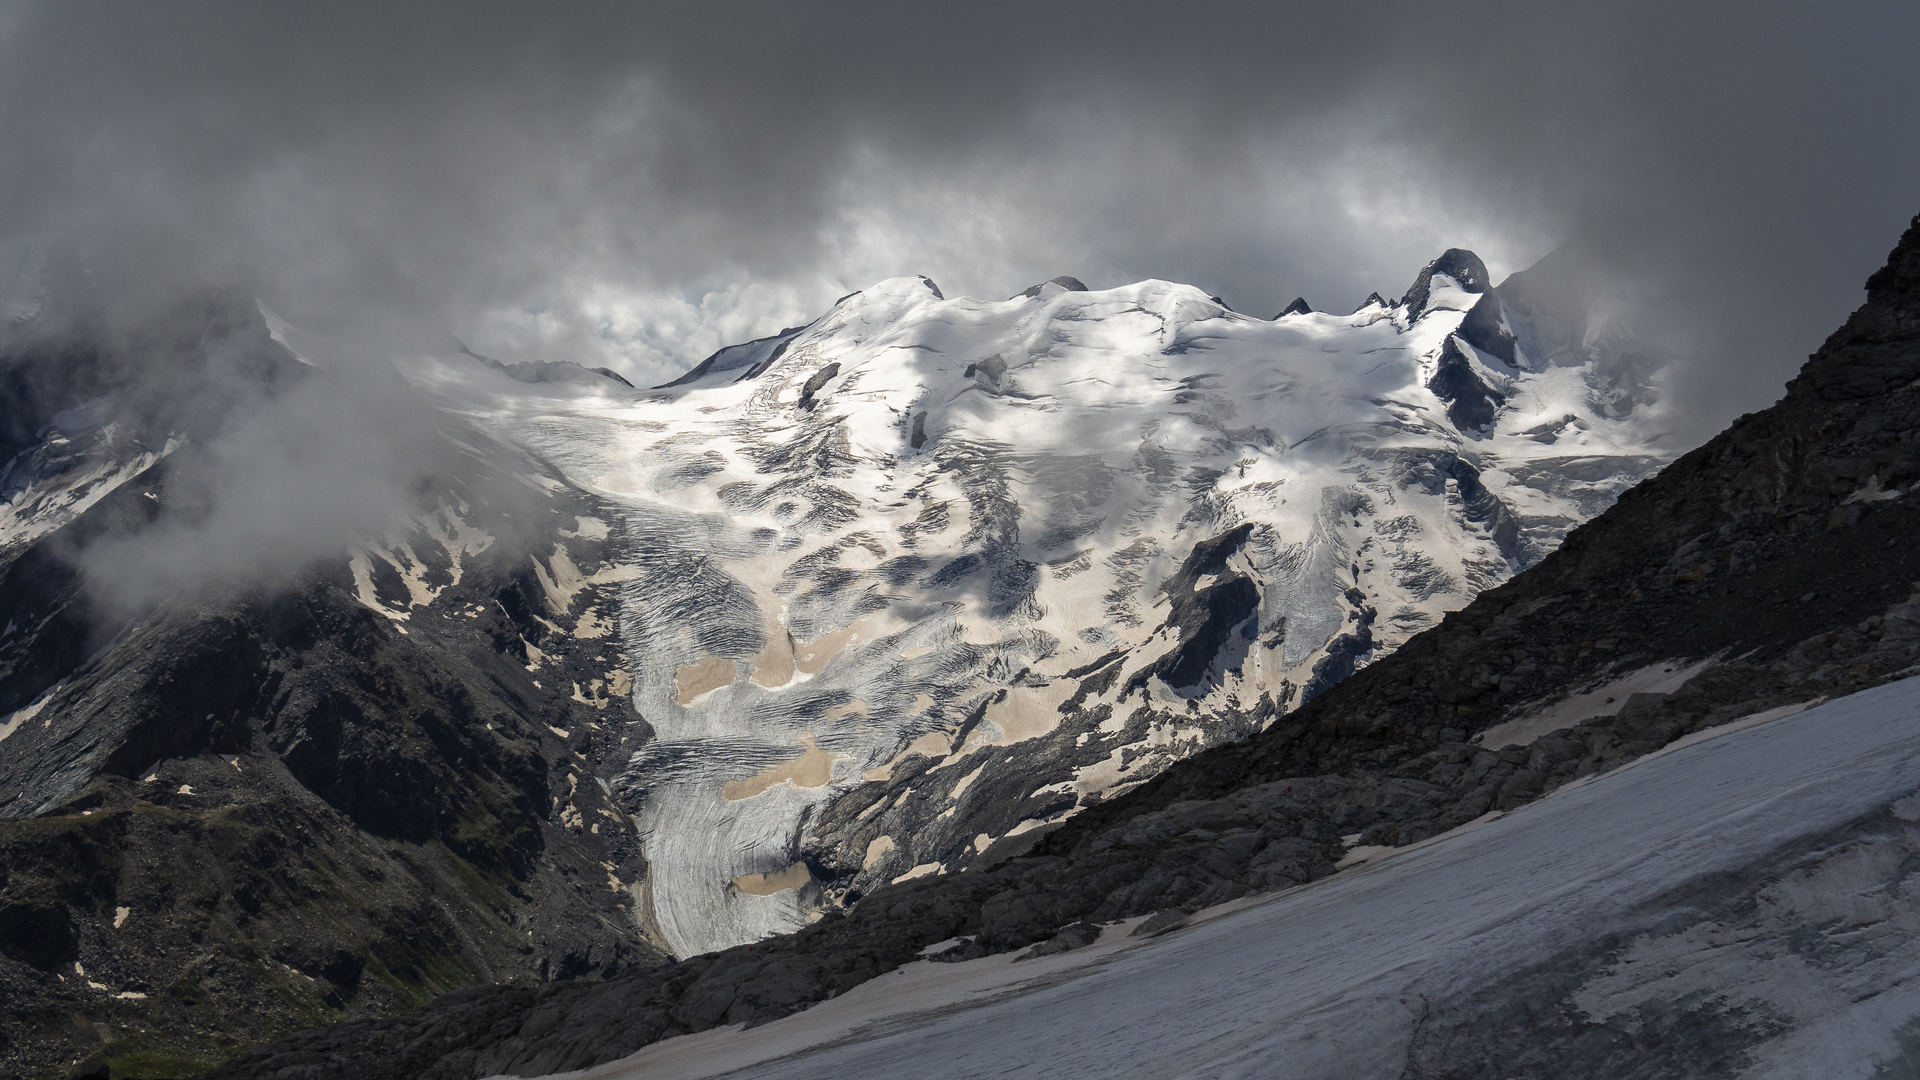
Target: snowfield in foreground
{"x":1740,"y":906}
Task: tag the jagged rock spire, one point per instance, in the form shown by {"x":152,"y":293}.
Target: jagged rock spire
{"x":1485,"y":326}
{"x":1461,"y":265}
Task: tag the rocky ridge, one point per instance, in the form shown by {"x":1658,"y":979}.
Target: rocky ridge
{"x":238,"y":811}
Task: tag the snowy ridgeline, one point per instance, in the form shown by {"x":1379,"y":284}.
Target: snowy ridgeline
{"x":898,"y":530}
{"x":1741,"y":906}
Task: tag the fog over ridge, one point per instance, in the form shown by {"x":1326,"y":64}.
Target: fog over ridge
{"x":635,"y":186}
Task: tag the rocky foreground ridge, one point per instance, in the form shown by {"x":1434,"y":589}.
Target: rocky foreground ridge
{"x":1771,"y":567}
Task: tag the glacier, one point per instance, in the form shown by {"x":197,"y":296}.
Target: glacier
{"x":984,"y":563}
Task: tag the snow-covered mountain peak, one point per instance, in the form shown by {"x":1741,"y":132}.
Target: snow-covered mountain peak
{"x":1046,"y":544}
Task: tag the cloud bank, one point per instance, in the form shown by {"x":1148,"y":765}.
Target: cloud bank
{"x":635,"y":185}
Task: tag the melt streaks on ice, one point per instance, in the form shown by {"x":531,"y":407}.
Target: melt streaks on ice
{"x":1736,"y":907}
{"x":938,"y":508}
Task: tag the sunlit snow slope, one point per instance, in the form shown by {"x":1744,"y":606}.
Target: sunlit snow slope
{"x":939,"y":554}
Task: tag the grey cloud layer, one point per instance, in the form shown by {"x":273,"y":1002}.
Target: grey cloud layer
{"x":636,"y":185}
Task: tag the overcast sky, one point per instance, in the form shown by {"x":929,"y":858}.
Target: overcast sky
{"x":635,"y":185}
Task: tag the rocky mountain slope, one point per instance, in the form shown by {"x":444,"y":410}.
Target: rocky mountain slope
{"x":1771,"y":568}
{"x":233,"y":811}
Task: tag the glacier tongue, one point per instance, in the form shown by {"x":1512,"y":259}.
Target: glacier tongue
{"x":944,"y":551}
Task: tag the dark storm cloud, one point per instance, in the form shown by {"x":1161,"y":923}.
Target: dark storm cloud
{"x":634,"y":185}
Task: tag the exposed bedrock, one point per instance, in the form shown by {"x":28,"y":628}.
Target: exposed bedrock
{"x":1471,"y":403}
{"x":1463,"y":266}
{"x":1486,"y":329}
{"x":232,"y":812}
{"x":1063,"y":282}
{"x":183,"y":371}
{"x":1209,"y":605}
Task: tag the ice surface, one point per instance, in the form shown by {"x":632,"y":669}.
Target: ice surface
{"x":923,"y":508}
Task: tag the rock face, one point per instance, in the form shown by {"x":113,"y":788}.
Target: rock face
{"x":736,"y":362}
{"x":1458,"y":269}
{"x":550,"y":371}
{"x":1063,"y":283}
{"x":1485,"y":328}
{"x":1772,"y":567}
{"x":1472,"y":403}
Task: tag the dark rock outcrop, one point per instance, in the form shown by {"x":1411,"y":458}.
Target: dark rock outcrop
{"x":1546,"y":305}
{"x":1471,"y":403}
{"x":1210,"y":605}
{"x":1299,"y":306}
{"x":815,"y":382}
{"x":549,"y":371}
{"x":1344,"y":652}
{"x":750,"y":358}
{"x":1463,"y":266}
{"x":1485,"y":327}
{"x":993,"y":369}
{"x":183,"y":371}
